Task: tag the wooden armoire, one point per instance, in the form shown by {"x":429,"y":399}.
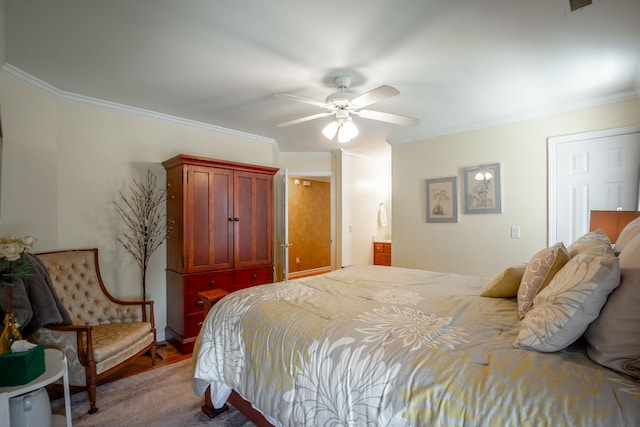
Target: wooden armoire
{"x":220,"y":235}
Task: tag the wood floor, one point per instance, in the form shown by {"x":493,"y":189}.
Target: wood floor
{"x":166,"y":355}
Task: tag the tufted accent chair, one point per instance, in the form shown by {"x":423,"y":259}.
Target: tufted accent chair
{"x":105,"y":333}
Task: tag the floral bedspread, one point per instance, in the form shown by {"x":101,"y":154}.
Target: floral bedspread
{"x":386,"y":346}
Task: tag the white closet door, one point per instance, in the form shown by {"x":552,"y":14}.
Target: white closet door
{"x":593,"y":171}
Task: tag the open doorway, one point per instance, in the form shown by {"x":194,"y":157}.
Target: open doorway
{"x":309,"y":225}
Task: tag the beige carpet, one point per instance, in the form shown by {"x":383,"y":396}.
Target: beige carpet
{"x":160,"y":397}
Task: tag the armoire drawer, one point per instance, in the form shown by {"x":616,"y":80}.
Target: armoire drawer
{"x":253,"y":277}
{"x":194,"y":323}
{"x":204,"y":282}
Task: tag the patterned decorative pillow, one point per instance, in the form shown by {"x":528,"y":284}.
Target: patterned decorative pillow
{"x":628,"y":233}
{"x":594,"y":243}
{"x":540,"y":270}
{"x":613,"y":339}
{"x":506,"y":283}
{"x":563,"y":310}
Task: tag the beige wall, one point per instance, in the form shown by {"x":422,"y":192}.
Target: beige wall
{"x":312,"y":163}
{"x":63,"y":164}
{"x":481,"y":244}
{"x":28,"y":198}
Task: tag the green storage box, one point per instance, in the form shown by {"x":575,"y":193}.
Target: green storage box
{"x":21,"y":368}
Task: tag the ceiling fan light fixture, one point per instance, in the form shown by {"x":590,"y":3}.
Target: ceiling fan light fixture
{"x":343,"y":127}
{"x":347,"y":131}
{"x":343,"y":138}
{"x":330,"y":130}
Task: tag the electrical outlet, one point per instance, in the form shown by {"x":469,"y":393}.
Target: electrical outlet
{"x":515,"y":232}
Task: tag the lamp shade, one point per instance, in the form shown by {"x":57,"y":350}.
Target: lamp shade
{"x":347,"y":131}
{"x":343,"y":127}
{"x":330,"y":130}
{"x":611,"y":222}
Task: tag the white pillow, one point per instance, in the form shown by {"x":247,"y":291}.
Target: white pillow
{"x":614,"y":337}
{"x":628,"y":233}
{"x":573,"y":299}
{"x":593,"y":242}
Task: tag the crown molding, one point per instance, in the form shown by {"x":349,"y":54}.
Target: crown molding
{"x":45,"y":88}
{"x":609,"y":99}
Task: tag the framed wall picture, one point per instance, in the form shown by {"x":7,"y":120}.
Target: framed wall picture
{"x":442,"y":200}
{"x":481,"y":189}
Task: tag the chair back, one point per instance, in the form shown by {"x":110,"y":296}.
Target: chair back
{"x":76,"y":279}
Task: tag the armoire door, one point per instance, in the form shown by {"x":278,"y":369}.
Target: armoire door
{"x":209,"y":218}
{"x":253,"y":209}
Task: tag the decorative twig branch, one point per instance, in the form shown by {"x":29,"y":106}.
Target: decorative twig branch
{"x":143,"y":215}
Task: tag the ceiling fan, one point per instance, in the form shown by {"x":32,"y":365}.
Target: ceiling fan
{"x":342,"y":104}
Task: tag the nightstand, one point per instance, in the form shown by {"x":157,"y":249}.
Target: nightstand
{"x":55,"y":368}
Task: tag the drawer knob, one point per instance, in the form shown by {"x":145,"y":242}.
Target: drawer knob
{"x":212,"y":282}
{"x":199,"y":303}
{"x":199,"y":325}
{"x":253,"y":276}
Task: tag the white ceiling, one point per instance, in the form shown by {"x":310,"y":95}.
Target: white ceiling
{"x":458,"y":64}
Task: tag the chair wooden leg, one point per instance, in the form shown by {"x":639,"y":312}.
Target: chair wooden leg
{"x":92,"y":385}
{"x":91,"y":390}
{"x":154,"y":354}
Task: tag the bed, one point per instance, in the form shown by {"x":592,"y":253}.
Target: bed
{"x":539,"y":344}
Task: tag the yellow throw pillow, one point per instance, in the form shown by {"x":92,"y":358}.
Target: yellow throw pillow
{"x":540,"y":270}
{"x":506,"y":283}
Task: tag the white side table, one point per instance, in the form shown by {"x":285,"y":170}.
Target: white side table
{"x":55,"y":363}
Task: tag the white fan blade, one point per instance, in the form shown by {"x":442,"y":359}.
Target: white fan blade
{"x":303,"y":100}
{"x":305,"y":119}
{"x":374,"y":95}
{"x":388,"y":117}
